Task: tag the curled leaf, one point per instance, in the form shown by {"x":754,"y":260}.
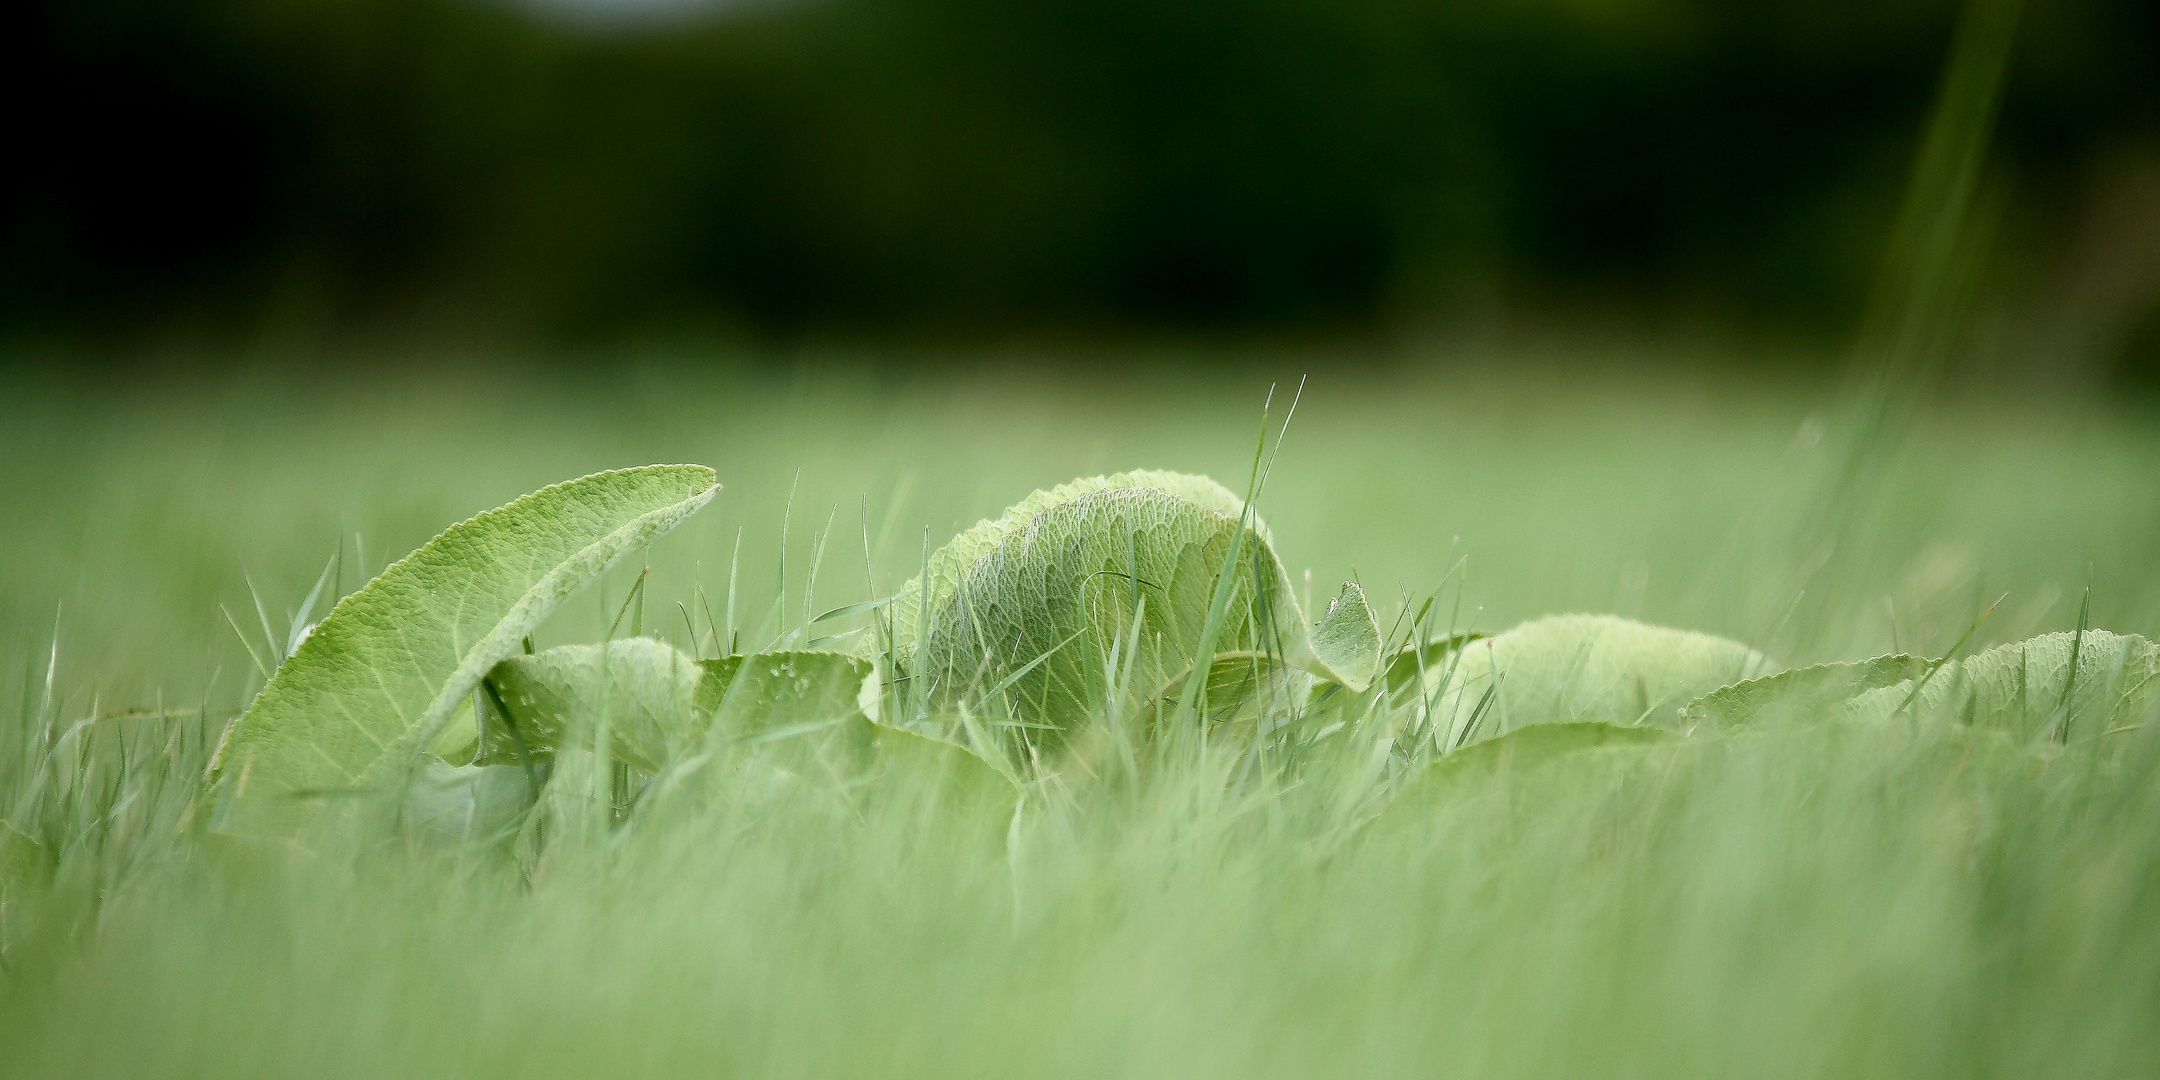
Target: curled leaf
{"x":1018,"y":615}
{"x":355,"y":707}
{"x":466,"y":804}
{"x":941,"y":787}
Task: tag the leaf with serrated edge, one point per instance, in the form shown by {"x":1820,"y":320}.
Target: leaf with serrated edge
{"x":1818,"y":691}
{"x":361,"y":698}
{"x":2031,"y":689}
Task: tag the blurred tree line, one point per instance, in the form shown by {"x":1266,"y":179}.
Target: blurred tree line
{"x":905,"y":166}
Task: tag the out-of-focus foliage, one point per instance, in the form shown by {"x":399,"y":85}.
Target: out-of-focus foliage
{"x":791,"y":165}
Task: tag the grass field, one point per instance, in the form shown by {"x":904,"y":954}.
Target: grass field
{"x":1920,"y":897}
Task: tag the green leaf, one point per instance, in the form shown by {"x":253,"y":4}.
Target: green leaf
{"x":1801,"y":693}
{"x":1347,"y":640}
{"x":356,"y":705}
{"x":719,"y":674}
{"x":1569,"y":668}
{"x":647,"y":690}
{"x":462,"y":740}
{"x":1057,"y":580}
{"x":810,"y":710}
{"x":2070,"y":686}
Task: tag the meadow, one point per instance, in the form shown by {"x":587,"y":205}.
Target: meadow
{"x":1827,"y":895}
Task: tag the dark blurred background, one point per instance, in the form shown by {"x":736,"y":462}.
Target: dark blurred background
{"x":578,"y":171}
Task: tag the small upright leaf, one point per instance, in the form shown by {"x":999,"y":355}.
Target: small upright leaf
{"x":1570,"y":668}
{"x":1818,"y":691}
{"x":1347,"y":640}
{"x":365,"y":693}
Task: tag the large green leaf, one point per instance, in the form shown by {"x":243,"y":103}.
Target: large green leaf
{"x":1570,"y":668}
{"x":353,"y":707}
{"x":1820,"y":691}
{"x":2070,"y":686}
{"x":1016,"y":611}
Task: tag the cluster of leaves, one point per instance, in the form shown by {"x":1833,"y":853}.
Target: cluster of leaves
{"x":1062,"y":639}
